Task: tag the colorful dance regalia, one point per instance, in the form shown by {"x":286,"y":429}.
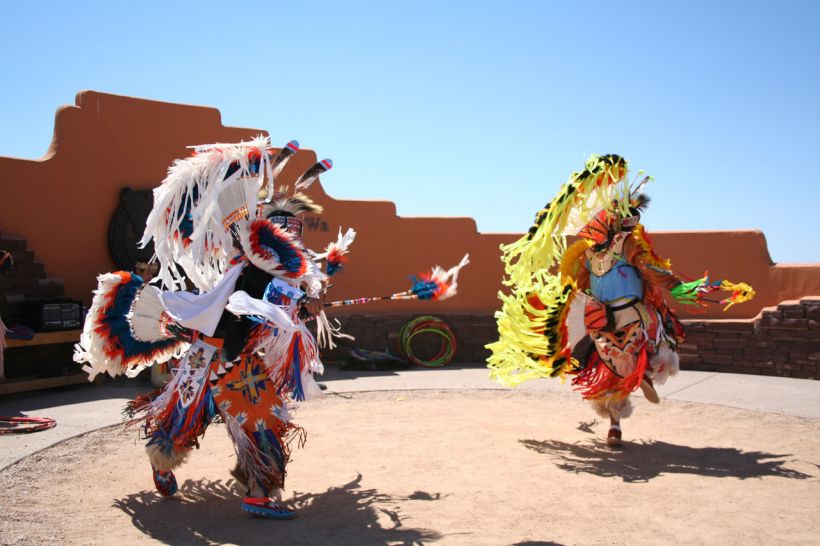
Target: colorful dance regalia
{"x":245,"y":354}
{"x":594,"y":311}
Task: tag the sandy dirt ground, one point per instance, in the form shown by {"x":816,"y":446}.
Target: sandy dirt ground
{"x":465,"y":467}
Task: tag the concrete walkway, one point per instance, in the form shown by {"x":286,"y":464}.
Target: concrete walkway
{"x":83,"y":408}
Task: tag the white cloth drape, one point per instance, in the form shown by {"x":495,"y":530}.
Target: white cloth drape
{"x":241,"y":303}
{"x":201,"y":311}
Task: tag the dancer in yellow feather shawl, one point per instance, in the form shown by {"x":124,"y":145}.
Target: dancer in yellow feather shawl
{"x":594,"y":311}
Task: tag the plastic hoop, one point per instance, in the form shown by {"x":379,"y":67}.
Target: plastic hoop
{"x":24,"y":425}
{"x":428,"y":324}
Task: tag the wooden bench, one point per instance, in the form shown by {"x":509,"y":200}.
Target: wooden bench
{"x":44,"y":338}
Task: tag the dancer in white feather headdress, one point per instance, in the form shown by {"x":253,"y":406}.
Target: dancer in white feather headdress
{"x":221,"y":224}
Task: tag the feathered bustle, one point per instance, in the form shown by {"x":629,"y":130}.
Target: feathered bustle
{"x":108,"y":343}
{"x":274,"y":250}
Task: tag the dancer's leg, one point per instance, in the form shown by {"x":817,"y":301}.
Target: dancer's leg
{"x":258,"y":424}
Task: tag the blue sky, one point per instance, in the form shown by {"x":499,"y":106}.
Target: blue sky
{"x":468,"y":108}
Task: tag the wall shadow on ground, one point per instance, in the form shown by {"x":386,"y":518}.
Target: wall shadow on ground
{"x":207,"y":512}
{"x":30,"y":401}
{"x":642,"y":461}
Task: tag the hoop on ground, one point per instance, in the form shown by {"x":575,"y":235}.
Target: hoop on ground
{"x":23,"y":425}
{"x":428,"y":324}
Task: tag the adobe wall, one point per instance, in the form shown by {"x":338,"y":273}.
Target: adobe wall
{"x":783,"y":340}
{"x":389,"y":247}
{"x":63,"y":203}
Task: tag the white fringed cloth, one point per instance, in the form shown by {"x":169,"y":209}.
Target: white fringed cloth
{"x":201,"y":311}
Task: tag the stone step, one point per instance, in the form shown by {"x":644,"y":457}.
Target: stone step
{"x":13,"y":288}
{"x":13,"y":245}
{"x":20,"y":256}
{"x":26,"y":271}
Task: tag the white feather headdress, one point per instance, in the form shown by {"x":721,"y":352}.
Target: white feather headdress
{"x":193,"y":204}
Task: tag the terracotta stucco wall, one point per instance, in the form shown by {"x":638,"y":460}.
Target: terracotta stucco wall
{"x":62,"y":205}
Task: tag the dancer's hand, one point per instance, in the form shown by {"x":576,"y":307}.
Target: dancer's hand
{"x":313,"y":306}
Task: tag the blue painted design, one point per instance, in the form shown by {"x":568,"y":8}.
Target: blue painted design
{"x":622,"y":281}
{"x":278,"y":290}
{"x":273,"y":293}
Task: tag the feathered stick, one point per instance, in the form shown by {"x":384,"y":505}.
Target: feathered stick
{"x":277,"y":164}
{"x":436,"y":284}
{"x":336,"y":252}
{"x":283,"y":156}
{"x":692,"y":293}
{"x":741,"y":293}
{"x":312,"y":174}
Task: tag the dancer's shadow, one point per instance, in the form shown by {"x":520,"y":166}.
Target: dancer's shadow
{"x":586,"y":426}
{"x":206,"y":513}
{"x":644,"y":460}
